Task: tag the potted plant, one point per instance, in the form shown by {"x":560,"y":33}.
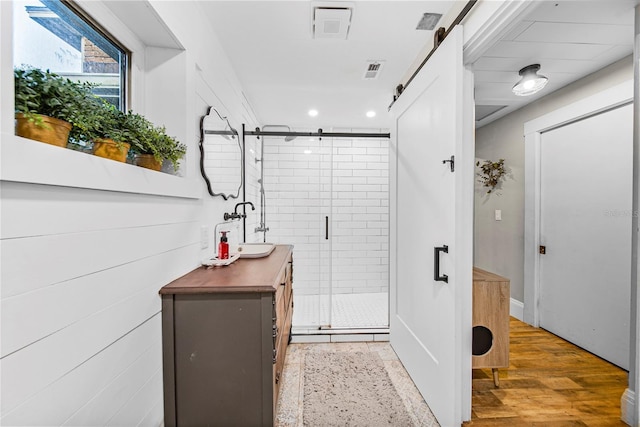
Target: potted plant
{"x":49,"y":106}
{"x":45,"y":101}
{"x":152,"y":146}
{"x":108,"y":132}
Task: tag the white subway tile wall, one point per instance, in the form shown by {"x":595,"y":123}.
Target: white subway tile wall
{"x":330,"y":199}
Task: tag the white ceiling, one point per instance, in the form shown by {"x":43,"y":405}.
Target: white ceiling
{"x":285,"y":72}
{"x":569,"y":39}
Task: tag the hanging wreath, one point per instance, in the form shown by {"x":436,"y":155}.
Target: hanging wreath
{"x":491,"y":173}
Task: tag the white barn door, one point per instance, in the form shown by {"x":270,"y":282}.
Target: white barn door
{"x":432,"y":207}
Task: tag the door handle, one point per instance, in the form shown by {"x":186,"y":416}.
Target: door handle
{"x":436,"y":263}
{"x":326,"y":228}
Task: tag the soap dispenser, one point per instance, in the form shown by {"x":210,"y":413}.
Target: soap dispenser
{"x":223,"y":246}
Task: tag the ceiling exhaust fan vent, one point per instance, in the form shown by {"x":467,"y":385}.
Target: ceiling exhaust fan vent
{"x":428,"y":21}
{"x":331,"y":22}
{"x":373,"y":69}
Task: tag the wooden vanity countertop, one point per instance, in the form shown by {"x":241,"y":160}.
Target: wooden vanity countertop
{"x":244,"y":275}
{"x":480,"y":275}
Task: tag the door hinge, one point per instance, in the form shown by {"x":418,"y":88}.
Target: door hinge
{"x":543,"y":250}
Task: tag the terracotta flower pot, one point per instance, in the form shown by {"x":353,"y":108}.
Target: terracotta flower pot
{"x":147,"y":161}
{"x":51,"y":131}
{"x":109,"y":149}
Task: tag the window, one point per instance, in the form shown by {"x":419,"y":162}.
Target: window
{"x":53,"y":35}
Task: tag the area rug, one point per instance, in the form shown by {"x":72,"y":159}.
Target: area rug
{"x":350,"y":389}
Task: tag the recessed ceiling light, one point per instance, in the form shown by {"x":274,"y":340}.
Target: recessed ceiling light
{"x":308,"y":151}
{"x":371,"y":114}
{"x":313,"y":113}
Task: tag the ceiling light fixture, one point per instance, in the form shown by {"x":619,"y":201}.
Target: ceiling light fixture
{"x":313,"y":113}
{"x":371,"y":114}
{"x":531,"y":82}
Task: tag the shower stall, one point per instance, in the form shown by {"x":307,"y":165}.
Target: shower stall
{"x":329,"y":197}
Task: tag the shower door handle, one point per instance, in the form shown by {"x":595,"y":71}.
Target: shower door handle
{"x":436,"y":263}
{"x":326,"y":228}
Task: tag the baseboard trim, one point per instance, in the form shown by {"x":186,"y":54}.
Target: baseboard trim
{"x":516,"y":309}
{"x":627,"y":406}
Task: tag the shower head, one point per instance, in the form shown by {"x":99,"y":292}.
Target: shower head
{"x":287,"y":138}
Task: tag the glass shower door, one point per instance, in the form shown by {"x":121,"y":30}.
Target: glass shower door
{"x":329,"y":198}
{"x":297,"y":189}
{"x":360,"y":234}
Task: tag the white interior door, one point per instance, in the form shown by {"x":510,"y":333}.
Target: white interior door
{"x":431,"y":206}
{"x":585,"y":273}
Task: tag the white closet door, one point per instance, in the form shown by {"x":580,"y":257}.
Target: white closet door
{"x":585,"y":273}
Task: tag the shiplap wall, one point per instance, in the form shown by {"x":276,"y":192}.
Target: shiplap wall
{"x":81,"y":268}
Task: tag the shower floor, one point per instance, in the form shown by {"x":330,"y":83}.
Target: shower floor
{"x":349,"y":311}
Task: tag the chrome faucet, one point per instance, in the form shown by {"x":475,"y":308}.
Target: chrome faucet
{"x":235,"y":214}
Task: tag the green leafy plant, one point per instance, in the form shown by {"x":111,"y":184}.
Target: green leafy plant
{"x":150,"y":139}
{"x":39,"y":92}
{"x":491,"y":173}
{"x":104,"y":121}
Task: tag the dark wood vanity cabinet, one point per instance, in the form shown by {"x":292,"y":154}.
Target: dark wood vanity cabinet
{"x":225,"y":333}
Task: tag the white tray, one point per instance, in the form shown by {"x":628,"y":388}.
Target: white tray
{"x":215,"y":262}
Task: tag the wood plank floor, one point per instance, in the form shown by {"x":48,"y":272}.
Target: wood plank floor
{"x":550,"y":382}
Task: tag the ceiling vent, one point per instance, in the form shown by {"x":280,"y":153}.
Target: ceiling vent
{"x":428,"y":21}
{"x":331,"y":22}
{"x":373,"y":69}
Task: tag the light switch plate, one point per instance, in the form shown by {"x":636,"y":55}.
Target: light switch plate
{"x":498,"y":215}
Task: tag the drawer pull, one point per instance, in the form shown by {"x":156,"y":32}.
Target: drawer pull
{"x":275,"y":355}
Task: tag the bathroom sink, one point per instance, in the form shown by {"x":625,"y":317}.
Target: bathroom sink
{"x":255,"y":250}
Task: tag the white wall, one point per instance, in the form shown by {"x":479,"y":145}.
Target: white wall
{"x":81,"y":267}
{"x":499,"y":245}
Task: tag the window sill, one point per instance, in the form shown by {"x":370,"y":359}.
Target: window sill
{"x":28,"y":161}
